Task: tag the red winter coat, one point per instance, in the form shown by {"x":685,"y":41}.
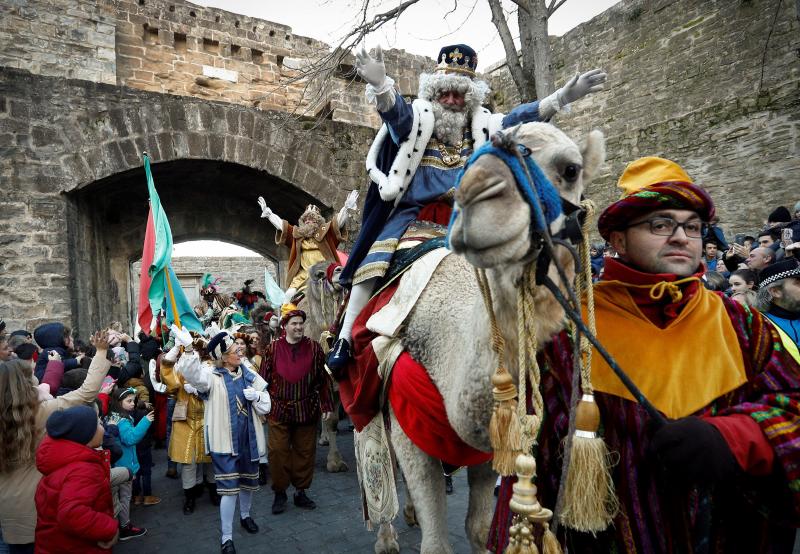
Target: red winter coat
{"x":73,"y":499}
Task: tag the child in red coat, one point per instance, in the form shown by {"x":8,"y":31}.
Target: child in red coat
{"x":73,"y":499}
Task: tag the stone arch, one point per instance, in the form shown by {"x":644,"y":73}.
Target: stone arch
{"x":203,"y":199}
{"x":74,"y":190}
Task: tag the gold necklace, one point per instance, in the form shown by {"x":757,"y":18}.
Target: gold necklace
{"x":451,"y":155}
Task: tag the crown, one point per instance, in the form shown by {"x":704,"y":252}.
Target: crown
{"x":458,"y":58}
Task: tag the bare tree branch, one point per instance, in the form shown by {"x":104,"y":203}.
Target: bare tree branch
{"x":524,"y":5}
{"x":512,"y":58}
{"x":554,"y":5}
{"x":314,"y":98}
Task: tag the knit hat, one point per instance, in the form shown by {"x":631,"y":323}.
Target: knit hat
{"x":25,"y":351}
{"x":219,"y":345}
{"x":77,"y":424}
{"x":653,"y":183}
{"x":779,"y":215}
{"x":788,"y":267}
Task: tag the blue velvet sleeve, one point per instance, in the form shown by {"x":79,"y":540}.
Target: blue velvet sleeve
{"x":524,"y":113}
{"x":399,"y":119}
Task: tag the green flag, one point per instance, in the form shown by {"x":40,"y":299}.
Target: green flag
{"x":162,"y":251}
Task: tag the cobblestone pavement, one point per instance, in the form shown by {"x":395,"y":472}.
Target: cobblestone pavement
{"x":336,"y":525}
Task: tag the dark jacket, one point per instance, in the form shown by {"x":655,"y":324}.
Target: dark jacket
{"x":73,"y":498}
{"x":50,"y":336}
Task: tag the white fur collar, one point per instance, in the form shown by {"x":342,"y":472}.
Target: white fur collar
{"x":392,"y":186}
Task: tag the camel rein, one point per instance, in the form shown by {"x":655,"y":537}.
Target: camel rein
{"x":538,"y":192}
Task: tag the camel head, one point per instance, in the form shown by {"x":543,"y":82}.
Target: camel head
{"x":494,"y":222}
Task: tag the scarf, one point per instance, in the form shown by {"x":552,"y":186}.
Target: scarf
{"x":671,"y":336}
{"x":660,"y":296}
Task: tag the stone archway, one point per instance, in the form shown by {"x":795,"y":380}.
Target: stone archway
{"x":203,"y":199}
{"x":73,"y":189}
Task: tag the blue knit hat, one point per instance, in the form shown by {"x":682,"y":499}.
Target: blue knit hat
{"x":77,"y":424}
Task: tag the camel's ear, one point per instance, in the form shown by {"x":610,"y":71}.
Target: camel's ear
{"x":594,"y":155}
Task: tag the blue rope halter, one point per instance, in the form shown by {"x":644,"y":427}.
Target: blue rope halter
{"x":549,"y":200}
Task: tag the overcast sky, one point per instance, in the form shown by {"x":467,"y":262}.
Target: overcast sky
{"x":422,"y":29}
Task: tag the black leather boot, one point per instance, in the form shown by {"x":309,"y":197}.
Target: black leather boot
{"x":188,"y":501}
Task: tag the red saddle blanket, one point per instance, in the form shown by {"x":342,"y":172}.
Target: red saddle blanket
{"x":416,"y":401}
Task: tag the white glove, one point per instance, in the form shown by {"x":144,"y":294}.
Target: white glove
{"x":581,"y":85}
{"x":265,"y":211}
{"x":189,"y":388}
{"x":212,"y":330}
{"x":372,"y":70}
{"x":352,"y":200}
{"x":182,"y":336}
{"x":251,"y":394}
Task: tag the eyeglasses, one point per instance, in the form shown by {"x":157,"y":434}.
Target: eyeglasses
{"x":666,"y":227}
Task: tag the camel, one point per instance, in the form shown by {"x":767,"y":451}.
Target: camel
{"x":448,"y":329}
{"x":321,"y":304}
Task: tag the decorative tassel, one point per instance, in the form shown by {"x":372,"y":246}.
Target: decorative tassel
{"x":521,"y":538}
{"x":550,"y":544}
{"x":527,"y":511}
{"x":504,"y":431}
{"x":590,"y":502}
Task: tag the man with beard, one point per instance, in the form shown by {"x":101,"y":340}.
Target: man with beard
{"x":779,"y":287}
{"x":312,"y":241}
{"x":417,"y":156}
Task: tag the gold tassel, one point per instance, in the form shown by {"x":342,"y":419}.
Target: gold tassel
{"x":590,"y":502}
{"x":520,"y":539}
{"x":504,"y":431}
{"x":550,"y":543}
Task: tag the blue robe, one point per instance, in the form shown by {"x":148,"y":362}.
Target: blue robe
{"x":383,"y":224}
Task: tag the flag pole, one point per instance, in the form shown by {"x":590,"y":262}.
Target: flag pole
{"x":175,"y":316}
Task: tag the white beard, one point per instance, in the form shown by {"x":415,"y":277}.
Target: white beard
{"x":448,"y":125}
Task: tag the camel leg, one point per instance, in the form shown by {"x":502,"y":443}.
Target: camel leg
{"x":409,"y":514}
{"x":387,"y":540}
{"x":481,"y":480}
{"x":335,"y":463}
{"x":423,"y":477}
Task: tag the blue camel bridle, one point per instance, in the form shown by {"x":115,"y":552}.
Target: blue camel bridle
{"x":546,"y":206}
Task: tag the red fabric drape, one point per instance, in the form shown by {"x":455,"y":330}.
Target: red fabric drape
{"x":420,"y":410}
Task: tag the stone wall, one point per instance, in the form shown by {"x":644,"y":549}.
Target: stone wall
{"x":73,"y":39}
{"x":181,"y":48}
{"x":74,"y":198}
{"x":696,"y":82}
{"x":231,"y":271}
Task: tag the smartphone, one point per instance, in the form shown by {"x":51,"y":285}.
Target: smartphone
{"x":786,"y":237}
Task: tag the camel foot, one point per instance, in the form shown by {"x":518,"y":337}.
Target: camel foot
{"x":387,"y":540}
{"x":410,"y":515}
{"x":337,"y":466}
{"x":323,"y":441}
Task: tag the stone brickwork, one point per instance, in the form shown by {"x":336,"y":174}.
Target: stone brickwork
{"x":74,"y":198}
{"x":85,"y":87}
{"x":181,"y":48}
{"x":694,"y":81}
{"x":73,"y":39}
{"x":231,"y":271}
